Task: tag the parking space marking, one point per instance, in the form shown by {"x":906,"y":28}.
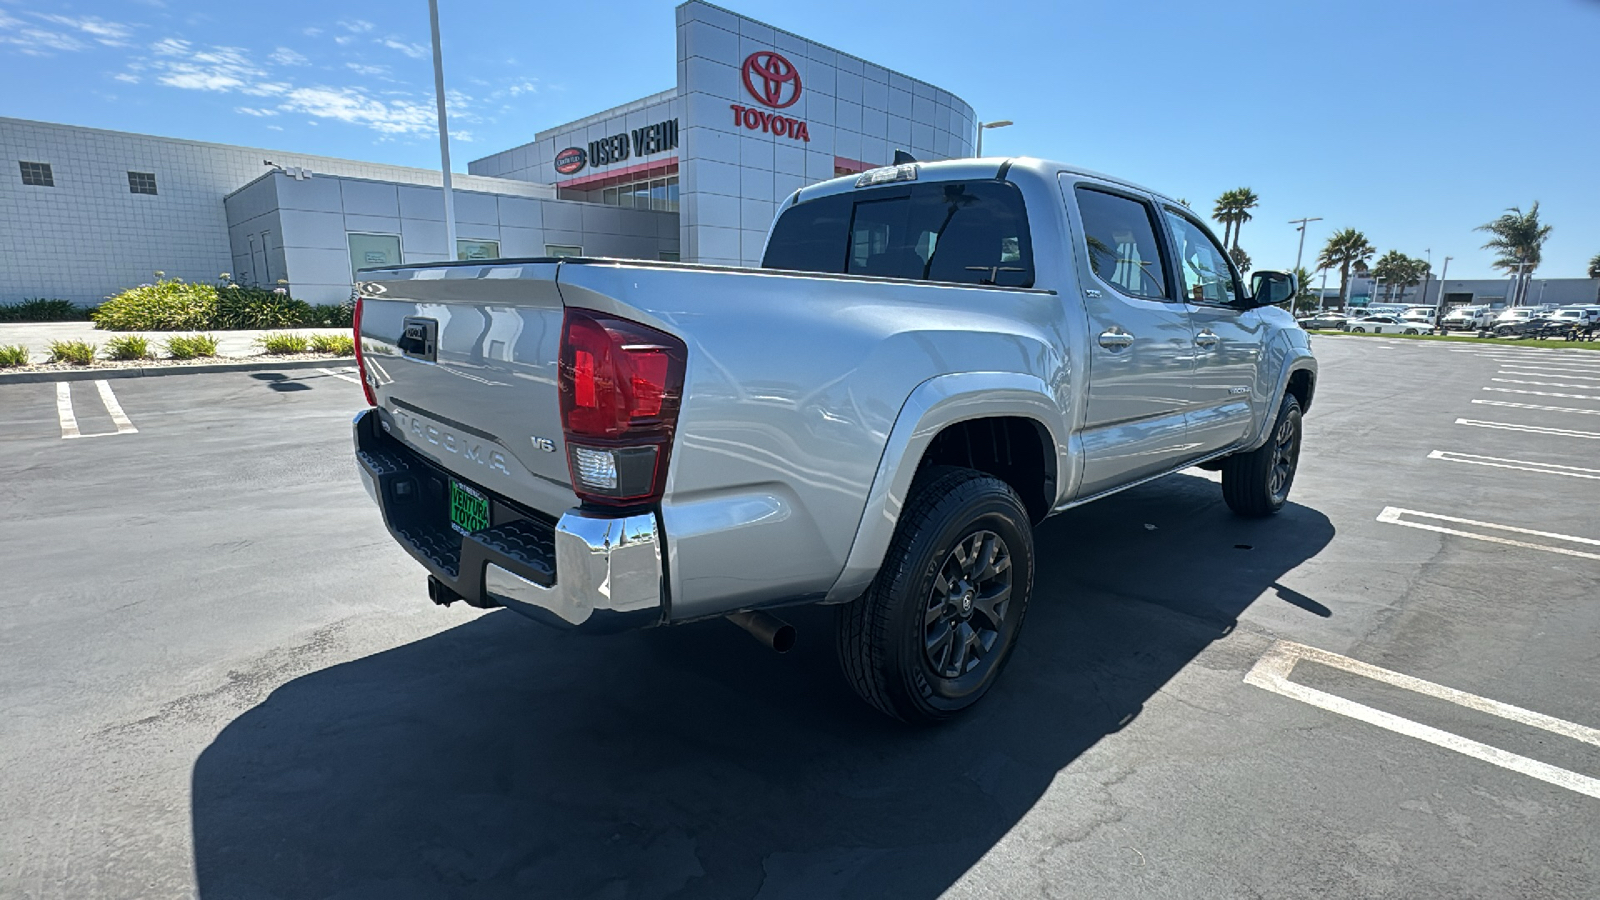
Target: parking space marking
{"x":123,"y":423}
{"x":1392,"y":515}
{"x":346,"y":374}
{"x":69,"y":422}
{"x":1550,"y":373}
{"x":1566,"y":409}
{"x":1520,"y":464}
{"x":1271,"y":673}
{"x":1531,"y":429}
{"x":1544,"y":383}
{"x":1543,"y":393}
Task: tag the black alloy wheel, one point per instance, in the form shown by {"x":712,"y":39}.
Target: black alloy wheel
{"x":967,"y":607}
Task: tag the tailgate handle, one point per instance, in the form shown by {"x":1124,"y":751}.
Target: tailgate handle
{"x":419,"y":338}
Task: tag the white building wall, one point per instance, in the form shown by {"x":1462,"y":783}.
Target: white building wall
{"x":307,"y":223}
{"x":89,"y":237}
{"x":732,"y":177}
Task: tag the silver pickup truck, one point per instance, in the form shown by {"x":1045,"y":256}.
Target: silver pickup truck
{"x":932,"y":359}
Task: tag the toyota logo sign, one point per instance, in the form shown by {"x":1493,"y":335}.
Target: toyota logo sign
{"x":771,"y":79}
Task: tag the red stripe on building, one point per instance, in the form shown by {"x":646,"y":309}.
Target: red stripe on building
{"x":625,"y":175}
{"x":844,"y":164}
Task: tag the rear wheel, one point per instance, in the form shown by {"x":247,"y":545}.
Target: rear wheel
{"x":932,"y":633}
{"x":1359,"y":330}
{"x":1256,"y":484}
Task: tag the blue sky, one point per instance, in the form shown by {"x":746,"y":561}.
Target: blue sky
{"x":1411,"y":120}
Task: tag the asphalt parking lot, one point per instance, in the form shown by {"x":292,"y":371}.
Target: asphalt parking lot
{"x":220,"y":678}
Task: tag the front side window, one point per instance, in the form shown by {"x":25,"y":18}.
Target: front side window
{"x":1120,"y":237}
{"x":1206,"y":276}
{"x":562,"y":250}
{"x":965,"y":232}
{"x":141,"y":182}
{"x":37,"y":174}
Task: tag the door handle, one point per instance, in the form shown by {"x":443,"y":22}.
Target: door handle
{"x":1206,"y":339}
{"x":1115,"y":339}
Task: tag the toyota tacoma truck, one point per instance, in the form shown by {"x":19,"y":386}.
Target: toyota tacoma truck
{"x":932,"y":359}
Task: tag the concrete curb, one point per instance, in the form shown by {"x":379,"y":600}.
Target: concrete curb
{"x":152,"y":371}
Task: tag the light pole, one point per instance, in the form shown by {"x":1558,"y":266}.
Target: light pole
{"x":1439,"y":304}
{"x":1301,"y":252}
{"x":1000,"y":123}
{"x":1322,"y":293}
{"x":444,"y":135}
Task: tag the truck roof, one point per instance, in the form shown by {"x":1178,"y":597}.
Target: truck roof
{"x":971,"y":168}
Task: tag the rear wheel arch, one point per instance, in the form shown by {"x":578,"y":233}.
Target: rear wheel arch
{"x":1015,"y":449}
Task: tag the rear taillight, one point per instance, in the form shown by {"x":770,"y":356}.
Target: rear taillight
{"x":361,"y":362}
{"x":621,"y":383}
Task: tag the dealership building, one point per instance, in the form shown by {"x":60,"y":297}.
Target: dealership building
{"x":694,"y":173}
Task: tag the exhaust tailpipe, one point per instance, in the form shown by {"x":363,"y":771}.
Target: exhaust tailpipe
{"x":769,"y":630}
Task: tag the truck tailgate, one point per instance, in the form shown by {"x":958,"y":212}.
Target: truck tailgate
{"x":462,"y":361}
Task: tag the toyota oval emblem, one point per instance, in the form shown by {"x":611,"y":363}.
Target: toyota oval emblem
{"x":768,"y":77}
{"x":571,"y":160}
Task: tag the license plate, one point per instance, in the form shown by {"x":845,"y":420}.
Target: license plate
{"x":469,"y":510}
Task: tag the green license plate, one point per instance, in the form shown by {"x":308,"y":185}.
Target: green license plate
{"x":469,"y":510}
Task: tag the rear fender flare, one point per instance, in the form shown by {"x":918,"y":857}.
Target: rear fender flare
{"x":932,"y":406}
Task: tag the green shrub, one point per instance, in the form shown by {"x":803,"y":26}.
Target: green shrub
{"x":252,"y":307}
{"x":283,"y":342}
{"x":79,"y":353}
{"x":41,"y":310}
{"x":330,"y":315}
{"x":13,"y":355}
{"x":128,"y":346}
{"x":171,"y":304}
{"x":191,"y":346}
{"x":340,"y":344}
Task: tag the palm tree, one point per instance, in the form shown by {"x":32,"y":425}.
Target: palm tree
{"x":1225,"y":212}
{"x":1346,"y":249}
{"x":1244,"y":201}
{"x":1519,"y":239}
{"x":1594,"y":266}
{"x":1391,"y":268}
{"x":1240,"y":259}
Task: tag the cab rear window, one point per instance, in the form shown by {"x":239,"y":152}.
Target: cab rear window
{"x":967,"y":232}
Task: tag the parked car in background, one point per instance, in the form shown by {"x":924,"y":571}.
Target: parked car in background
{"x":1324,"y":320}
{"x":1424,"y":313}
{"x":1537,"y":325}
{"x":1513,"y":316}
{"x":1468,"y":318}
{"x":1386,"y":325}
{"x":1590,"y":314}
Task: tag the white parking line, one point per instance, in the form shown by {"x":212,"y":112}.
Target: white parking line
{"x":1567,"y":409}
{"x":1544,"y":383}
{"x":1531,"y":429}
{"x":1391,"y":515}
{"x":1520,"y":464}
{"x":1543,"y":393}
{"x":1272,"y":671}
{"x":69,"y":422}
{"x":346,"y":373}
{"x":1549,"y":373}
{"x":124,"y":424}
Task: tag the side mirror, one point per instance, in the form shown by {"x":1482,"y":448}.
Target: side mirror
{"x":1269,"y":288}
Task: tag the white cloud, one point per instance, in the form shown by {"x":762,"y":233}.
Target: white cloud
{"x":394,"y":117}
{"x":464,"y":137}
{"x":370,"y":71}
{"x":357,"y":26}
{"x":129,"y":77}
{"x":415,"y":51}
{"x":111,"y":34}
{"x":254,"y":111}
{"x":311,"y":32}
{"x":284,"y":56}
{"x":275,"y":127}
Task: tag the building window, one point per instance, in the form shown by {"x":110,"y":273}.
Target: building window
{"x":141,"y":182}
{"x":656,"y":193}
{"x":562,"y":250}
{"x":667,"y":255}
{"x":37,"y":174}
{"x":467,"y":248}
{"x":370,"y":251}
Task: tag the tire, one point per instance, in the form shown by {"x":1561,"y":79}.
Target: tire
{"x":1412,"y":331}
{"x":1359,"y":330}
{"x":1256,"y":484}
{"x":1503,"y":332}
{"x":889,"y":640}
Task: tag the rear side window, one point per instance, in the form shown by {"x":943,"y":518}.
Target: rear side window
{"x":968,"y":232}
{"x":1120,"y":238}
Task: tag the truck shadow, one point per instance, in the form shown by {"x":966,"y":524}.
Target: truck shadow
{"x":503,"y":759}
